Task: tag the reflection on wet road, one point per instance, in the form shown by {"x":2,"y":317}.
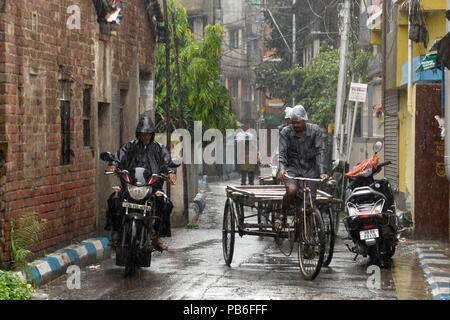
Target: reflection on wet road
{"x":194,"y":268}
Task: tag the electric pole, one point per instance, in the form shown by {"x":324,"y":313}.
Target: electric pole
{"x":181,"y":119}
{"x":294,"y":56}
{"x":343,"y":51}
{"x":168,"y":87}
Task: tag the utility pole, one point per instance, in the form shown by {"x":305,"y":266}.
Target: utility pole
{"x":383,"y":57}
{"x":168,"y":87}
{"x":181,"y":119}
{"x":343,"y":51}
{"x":294,"y":55}
{"x":278,"y":28}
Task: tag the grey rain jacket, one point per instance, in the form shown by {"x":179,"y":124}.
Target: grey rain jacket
{"x":303,"y":157}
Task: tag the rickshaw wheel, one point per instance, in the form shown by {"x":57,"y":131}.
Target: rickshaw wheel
{"x":228,"y":231}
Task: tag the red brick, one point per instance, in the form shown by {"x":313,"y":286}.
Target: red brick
{"x":35,"y":180}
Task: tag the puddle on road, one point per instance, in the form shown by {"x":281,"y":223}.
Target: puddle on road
{"x":409,"y":278}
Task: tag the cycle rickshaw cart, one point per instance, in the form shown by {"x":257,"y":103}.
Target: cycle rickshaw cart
{"x":314,"y":231}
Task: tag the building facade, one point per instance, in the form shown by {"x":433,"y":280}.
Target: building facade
{"x":72,"y":85}
{"x":241,"y":45}
{"x":412,"y":135}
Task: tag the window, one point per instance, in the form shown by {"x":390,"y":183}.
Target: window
{"x":123,"y":96}
{"x":247,"y":94}
{"x":190,"y":25}
{"x":233,"y":83}
{"x":64,"y":98}
{"x":234,"y":39}
{"x":251,"y":48}
{"x":87,"y":116}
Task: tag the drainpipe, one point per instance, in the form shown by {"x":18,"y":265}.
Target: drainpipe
{"x":410,"y":61}
{"x":447,"y":113}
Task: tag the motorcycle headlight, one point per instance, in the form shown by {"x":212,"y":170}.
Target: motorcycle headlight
{"x":138,"y":193}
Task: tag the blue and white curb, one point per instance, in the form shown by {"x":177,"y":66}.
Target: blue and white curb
{"x":52,"y":266}
{"x":436,"y":266}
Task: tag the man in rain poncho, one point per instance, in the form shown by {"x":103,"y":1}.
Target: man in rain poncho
{"x":145,"y":152}
{"x":302,"y":154}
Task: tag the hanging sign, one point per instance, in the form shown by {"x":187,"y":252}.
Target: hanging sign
{"x":358,"y":92}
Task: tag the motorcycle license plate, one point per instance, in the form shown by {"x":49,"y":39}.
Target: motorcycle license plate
{"x":368,"y":234}
{"x":136,"y":206}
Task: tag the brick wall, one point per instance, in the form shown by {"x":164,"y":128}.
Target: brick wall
{"x":34,"y":44}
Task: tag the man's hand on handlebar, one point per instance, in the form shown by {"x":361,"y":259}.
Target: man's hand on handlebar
{"x":173,"y":178}
{"x":110,"y":169}
{"x":281,"y":175}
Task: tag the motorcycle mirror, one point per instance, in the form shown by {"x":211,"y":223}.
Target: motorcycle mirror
{"x":106,"y":156}
{"x":176,"y":161}
{"x":377,"y":146}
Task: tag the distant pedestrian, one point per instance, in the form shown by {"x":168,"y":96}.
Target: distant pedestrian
{"x":250,"y":166}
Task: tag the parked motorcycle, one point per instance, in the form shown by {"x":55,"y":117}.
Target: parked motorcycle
{"x":371,"y":219}
{"x":139,"y":216}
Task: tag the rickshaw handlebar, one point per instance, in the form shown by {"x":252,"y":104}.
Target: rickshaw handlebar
{"x":304,"y":179}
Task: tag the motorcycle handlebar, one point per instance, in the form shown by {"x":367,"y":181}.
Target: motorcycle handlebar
{"x":384,"y":164}
{"x":162,"y":176}
{"x":118,"y":171}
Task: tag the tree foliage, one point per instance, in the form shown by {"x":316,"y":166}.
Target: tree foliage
{"x":204,"y":97}
{"x":318,"y":89}
{"x":316,"y":83}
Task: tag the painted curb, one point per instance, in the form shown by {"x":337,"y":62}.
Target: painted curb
{"x":435,"y":264}
{"x":50,"y":267}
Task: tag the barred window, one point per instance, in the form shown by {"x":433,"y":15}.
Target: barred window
{"x":87,"y":116}
{"x":64,"y":98}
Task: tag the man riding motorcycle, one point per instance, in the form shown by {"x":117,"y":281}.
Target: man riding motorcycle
{"x":147,"y":153}
{"x":302,"y":154}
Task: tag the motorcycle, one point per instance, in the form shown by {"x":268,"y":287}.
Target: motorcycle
{"x":372,"y":221}
{"x":138,"y":216}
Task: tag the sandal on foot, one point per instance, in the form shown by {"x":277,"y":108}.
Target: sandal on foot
{"x":159,"y":245}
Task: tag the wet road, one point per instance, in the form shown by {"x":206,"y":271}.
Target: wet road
{"x":193,"y":268}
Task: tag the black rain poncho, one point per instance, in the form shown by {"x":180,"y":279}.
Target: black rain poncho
{"x":154,"y":156}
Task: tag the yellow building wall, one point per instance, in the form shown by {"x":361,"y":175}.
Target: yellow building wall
{"x":435,"y":23}
{"x":433,"y":4}
{"x":436,"y":26}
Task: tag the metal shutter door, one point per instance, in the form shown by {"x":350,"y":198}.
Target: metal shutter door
{"x":391,"y":138}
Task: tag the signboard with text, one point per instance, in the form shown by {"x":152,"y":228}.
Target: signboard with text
{"x":358,"y":92}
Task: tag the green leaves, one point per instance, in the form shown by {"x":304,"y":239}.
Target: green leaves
{"x":204,"y":97}
{"x":12,"y":288}
{"x":318,"y":91}
{"x":25,"y":232}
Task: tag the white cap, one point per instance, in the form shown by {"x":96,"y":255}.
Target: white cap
{"x":287,"y":112}
{"x":298,"y":113}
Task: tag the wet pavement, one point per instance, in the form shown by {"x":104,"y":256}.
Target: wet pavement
{"x":194,"y":268}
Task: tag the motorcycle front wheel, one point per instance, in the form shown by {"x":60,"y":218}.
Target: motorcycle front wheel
{"x":130,"y":263}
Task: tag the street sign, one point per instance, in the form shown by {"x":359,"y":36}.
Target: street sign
{"x":358,"y":92}
{"x":429,"y":63}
